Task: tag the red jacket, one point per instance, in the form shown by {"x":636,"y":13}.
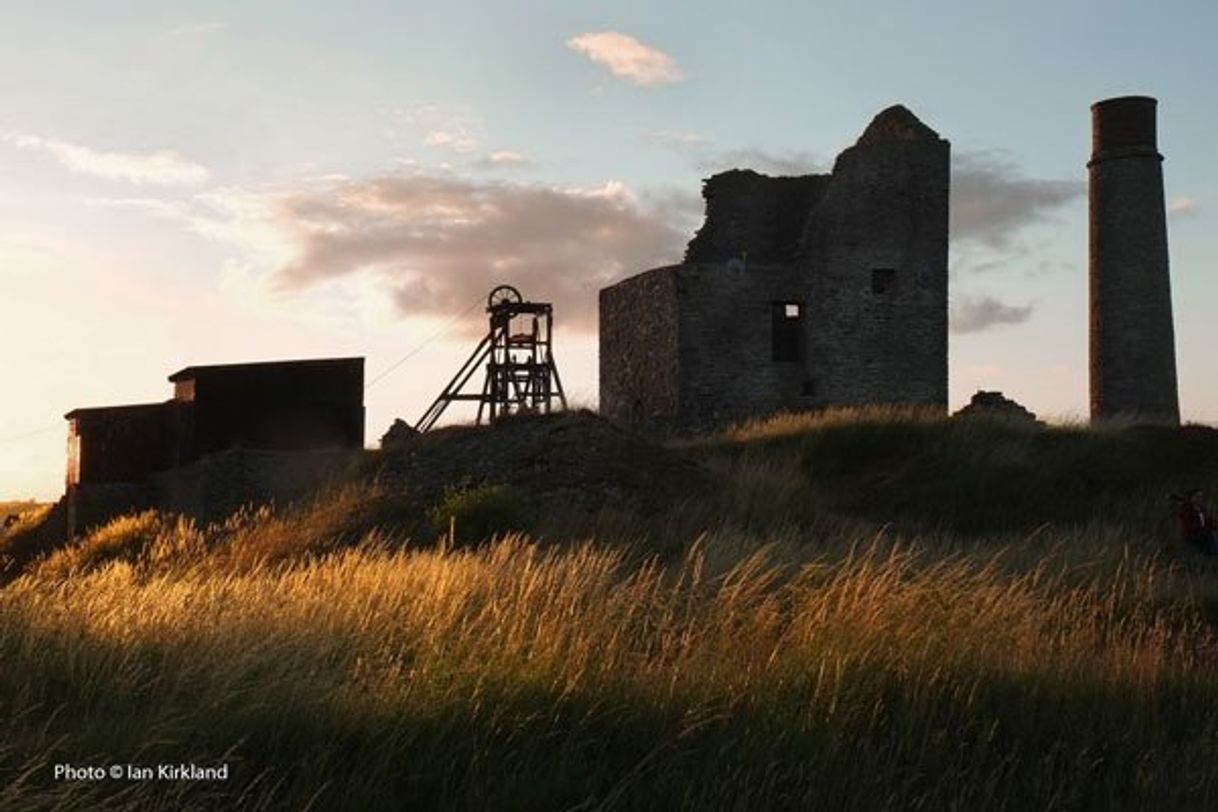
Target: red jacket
{"x":1194,"y":521}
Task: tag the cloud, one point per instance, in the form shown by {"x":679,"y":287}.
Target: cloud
{"x":971,"y":314}
{"x":701,"y":151}
{"x":678,"y":140}
{"x":992,"y":200}
{"x":162,"y":167}
{"x":435,"y":241}
{"x":503,"y":159}
{"x":458,"y":139}
{"x":454,"y":127}
{"x":797,"y":162}
{"x":1181,"y":207}
{"x":627,"y":58}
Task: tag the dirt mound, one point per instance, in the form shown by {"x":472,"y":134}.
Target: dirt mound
{"x":567,"y":461}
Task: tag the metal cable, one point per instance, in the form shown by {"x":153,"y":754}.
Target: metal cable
{"x":44,"y":430}
{"x":419,"y":348}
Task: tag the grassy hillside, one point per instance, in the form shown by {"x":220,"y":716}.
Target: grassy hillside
{"x":17,"y":507}
{"x":970,"y":477}
{"x":857,"y":611}
{"x":26,"y":511}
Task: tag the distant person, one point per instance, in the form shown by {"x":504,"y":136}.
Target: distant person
{"x":1196,"y":524}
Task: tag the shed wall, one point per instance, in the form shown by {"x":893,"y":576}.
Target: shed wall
{"x":279,"y":407}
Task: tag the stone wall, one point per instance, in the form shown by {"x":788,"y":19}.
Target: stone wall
{"x":220,"y":484}
{"x":91,"y":505}
{"x":727,"y":371}
{"x":862,"y":253}
{"x":884,"y":219}
{"x":211,"y":488}
{"x":754,"y":217}
{"x":638,"y":349}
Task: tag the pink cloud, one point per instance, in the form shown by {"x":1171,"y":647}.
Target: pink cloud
{"x":627,"y":58}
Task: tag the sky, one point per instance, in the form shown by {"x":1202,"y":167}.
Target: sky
{"x":218,"y":182}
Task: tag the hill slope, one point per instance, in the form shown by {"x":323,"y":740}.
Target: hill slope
{"x":575,"y":476}
{"x":786,"y":647}
{"x":976,"y":476}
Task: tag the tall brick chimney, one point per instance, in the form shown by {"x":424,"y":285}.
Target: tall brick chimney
{"x":1133,"y":355}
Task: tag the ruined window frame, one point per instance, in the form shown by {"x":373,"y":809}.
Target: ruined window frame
{"x":786,"y":332}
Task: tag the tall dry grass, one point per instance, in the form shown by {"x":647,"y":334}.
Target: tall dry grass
{"x":808,"y":650}
{"x":874,"y":676}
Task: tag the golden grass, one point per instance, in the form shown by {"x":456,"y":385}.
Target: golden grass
{"x":792,"y":656}
{"x":864,"y":663}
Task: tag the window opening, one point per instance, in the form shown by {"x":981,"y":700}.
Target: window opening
{"x":883,"y":280}
{"x":786,"y":331}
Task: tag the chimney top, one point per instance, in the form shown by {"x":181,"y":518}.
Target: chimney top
{"x":1123,"y":126}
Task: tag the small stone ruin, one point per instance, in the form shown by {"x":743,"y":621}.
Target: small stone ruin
{"x":994,"y":404}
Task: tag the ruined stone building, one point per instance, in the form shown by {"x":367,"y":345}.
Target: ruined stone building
{"x":231,"y":434}
{"x":796,"y":293}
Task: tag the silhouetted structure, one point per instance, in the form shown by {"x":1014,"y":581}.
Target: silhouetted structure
{"x":995,"y":404}
{"x":796,"y":293}
{"x":279,"y":405}
{"x":123,"y":458}
{"x":1133,"y":356}
{"x":112,"y":444}
{"x":520,"y":372}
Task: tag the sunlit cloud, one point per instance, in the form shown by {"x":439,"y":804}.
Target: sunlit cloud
{"x":454,"y":128}
{"x":973,"y":314}
{"x":503,"y":159}
{"x":1182,"y":207}
{"x":627,"y":58}
{"x":458,"y":140}
{"x":703,"y":153}
{"x":794,"y":162}
{"x":991,"y":199}
{"x":161,"y":167}
{"x":431,"y":242}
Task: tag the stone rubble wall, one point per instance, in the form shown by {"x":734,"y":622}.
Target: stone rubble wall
{"x":818,"y":241}
{"x":220,"y":484}
{"x":886,"y":208}
{"x":639,"y":366}
{"x":754,"y":217}
{"x":727,"y":371}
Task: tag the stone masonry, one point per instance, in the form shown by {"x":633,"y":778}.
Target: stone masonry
{"x":796,"y":293}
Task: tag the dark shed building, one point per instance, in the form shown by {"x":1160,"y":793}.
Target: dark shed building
{"x":118,"y":455}
{"x":277,"y":405}
{"x":120,"y":443}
